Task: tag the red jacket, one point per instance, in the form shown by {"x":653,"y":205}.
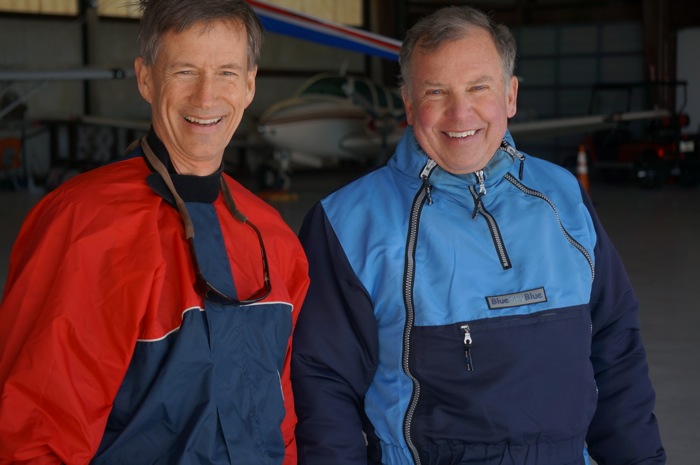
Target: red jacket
{"x":104,"y":343}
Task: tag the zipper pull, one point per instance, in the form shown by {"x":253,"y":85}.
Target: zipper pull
{"x":428,"y":190}
{"x":427,"y":169}
{"x":424,"y":175}
{"x":482,"y":191}
{"x":468,"y":347}
{"x":510,"y":150}
{"x":482,"y":180}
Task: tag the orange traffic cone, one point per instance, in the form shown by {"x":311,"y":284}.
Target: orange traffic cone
{"x":582,"y":168}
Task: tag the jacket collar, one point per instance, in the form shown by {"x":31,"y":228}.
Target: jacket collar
{"x":410,"y":159}
{"x":202,"y":189}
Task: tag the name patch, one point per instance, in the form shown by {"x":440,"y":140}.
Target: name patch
{"x":517,"y":299}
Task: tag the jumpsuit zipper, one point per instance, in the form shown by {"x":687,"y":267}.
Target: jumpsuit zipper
{"x":419,"y":201}
{"x":490,"y":220}
{"x":568,"y":236}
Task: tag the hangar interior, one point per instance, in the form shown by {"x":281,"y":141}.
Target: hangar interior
{"x":575,"y":58}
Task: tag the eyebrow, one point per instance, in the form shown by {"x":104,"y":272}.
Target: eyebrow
{"x":480,"y":79}
{"x":186,"y":64}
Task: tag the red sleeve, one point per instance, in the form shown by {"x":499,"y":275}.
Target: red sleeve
{"x":67,"y":329}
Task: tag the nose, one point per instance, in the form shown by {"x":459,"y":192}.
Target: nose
{"x":459,"y":105}
{"x":204,"y":91}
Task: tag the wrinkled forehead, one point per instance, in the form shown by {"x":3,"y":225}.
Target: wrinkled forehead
{"x":201,"y":30}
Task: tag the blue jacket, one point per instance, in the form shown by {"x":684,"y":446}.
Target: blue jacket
{"x":482,"y":318}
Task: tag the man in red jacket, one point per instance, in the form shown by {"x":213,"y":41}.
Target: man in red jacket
{"x":150,"y":302}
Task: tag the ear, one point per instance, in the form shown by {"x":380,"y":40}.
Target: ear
{"x":250,"y":85}
{"x":408,"y":105}
{"x":144,"y":78}
{"x":512,"y":97}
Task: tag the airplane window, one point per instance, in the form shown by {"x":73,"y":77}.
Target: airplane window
{"x":332,"y":85}
{"x":365,"y":92}
{"x":381,"y":97}
{"x":398,"y":103}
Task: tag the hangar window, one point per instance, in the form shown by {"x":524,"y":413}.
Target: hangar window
{"x":47,"y":7}
{"x":338,"y":11}
{"x":118,"y":8}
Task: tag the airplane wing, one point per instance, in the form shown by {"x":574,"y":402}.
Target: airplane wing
{"x":288,"y":22}
{"x":65,"y":74}
{"x":578,"y":124}
{"x":43,"y":76}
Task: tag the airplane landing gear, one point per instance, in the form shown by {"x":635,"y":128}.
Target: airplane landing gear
{"x":274,"y":174}
{"x":272,"y":178}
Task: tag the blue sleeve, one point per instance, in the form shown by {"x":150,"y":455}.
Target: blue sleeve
{"x":624,"y":428}
{"x":334,"y":352}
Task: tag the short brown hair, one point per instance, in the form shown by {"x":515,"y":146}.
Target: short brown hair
{"x":452,"y":23}
{"x":161,"y":16}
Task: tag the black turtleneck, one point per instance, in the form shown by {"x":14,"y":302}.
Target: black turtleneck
{"x":204,"y":189}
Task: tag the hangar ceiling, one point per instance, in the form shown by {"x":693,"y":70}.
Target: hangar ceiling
{"x":678,"y":13}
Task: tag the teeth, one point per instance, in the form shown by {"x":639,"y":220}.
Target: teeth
{"x":192,"y":119}
{"x":461,"y":134}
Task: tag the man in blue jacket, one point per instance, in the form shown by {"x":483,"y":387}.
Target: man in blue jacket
{"x":466,"y":305}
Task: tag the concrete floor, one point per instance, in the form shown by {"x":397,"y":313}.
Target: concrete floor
{"x":656,"y":233}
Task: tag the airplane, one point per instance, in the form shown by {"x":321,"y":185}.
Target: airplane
{"x":330,"y":117}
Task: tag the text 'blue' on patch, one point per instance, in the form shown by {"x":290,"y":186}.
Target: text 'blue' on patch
{"x":517,"y":299}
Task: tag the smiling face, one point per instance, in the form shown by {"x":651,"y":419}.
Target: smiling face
{"x":198,"y":88}
{"x":458,"y":102}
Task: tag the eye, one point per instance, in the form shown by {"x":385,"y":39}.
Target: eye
{"x":480,"y":88}
{"x":434,"y":92}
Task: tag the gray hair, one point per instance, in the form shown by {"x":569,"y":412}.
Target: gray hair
{"x":453,"y":23}
{"x":161,"y":16}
